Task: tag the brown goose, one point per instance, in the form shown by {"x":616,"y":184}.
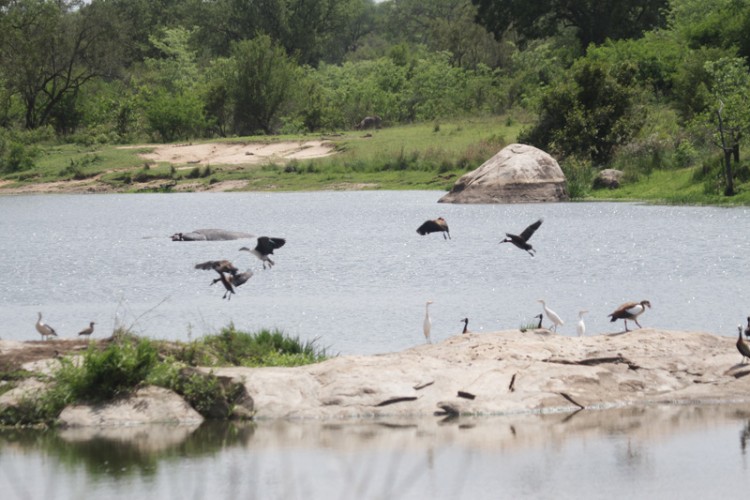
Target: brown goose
{"x":435,"y":226}
{"x":742,"y":345}
{"x":220,"y":266}
{"x":227,"y":282}
{"x":630,"y":311}
{"x":264,"y":248}
{"x":44,"y":329}
{"x":521,"y":240}
{"x":87,"y":331}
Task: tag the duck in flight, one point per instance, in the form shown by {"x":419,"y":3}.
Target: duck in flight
{"x":435,"y":226}
{"x":220,"y":266}
{"x":265,"y":247}
{"x":522,"y":240}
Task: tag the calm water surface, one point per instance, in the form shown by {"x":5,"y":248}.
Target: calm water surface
{"x":355,"y":274}
{"x":676,"y":452}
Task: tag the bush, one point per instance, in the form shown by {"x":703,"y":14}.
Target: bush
{"x":102,"y":375}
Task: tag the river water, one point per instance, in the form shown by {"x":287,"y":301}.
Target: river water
{"x":355,"y":276}
{"x":354,"y":273}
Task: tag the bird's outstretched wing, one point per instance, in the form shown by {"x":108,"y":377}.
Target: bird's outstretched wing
{"x":242,"y":278}
{"x":429,"y":226}
{"x":526,"y":234}
{"x":220,"y":266}
{"x":267,"y":245}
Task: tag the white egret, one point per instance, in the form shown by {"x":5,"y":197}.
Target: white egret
{"x":521,"y":240}
{"x":264,"y":248}
{"x":427,"y":325}
{"x":552,"y":315}
{"x":629,"y":311}
{"x":581,"y":326}
{"x":435,"y":226}
{"x":44,"y":329}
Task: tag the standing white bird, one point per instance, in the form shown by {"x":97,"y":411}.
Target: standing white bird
{"x":552,"y":315}
{"x":427,"y":325}
{"x":44,"y":329}
{"x":581,"y":326}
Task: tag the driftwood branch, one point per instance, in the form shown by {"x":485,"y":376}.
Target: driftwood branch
{"x":396,"y":400}
{"x":569,"y":398}
{"x":595,"y":361}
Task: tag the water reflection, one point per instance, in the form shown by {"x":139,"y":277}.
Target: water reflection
{"x":612,"y":451}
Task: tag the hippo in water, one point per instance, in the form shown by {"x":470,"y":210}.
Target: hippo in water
{"x":210,"y":235}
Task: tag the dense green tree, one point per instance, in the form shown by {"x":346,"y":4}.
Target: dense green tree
{"x":263,"y":82}
{"x":49,"y":49}
{"x":594,"y":21}
{"x":588,"y":113}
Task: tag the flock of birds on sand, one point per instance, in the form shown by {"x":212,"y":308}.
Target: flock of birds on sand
{"x":231,"y":278}
{"x":627,"y":311}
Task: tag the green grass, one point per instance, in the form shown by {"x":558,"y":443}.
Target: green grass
{"x":421,"y":156}
{"x":107,"y":371}
{"x":263,"y":348}
{"x":679,"y":187}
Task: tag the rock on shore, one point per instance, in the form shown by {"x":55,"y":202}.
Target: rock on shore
{"x":519,"y":173}
{"x":504,"y":372}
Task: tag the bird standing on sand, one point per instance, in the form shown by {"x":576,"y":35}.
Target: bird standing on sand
{"x":742,"y":345}
{"x":435,"y":226}
{"x":465,"y":321}
{"x":88,"y":330}
{"x":747,"y":328}
{"x":630,"y":311}
{"x":539,"y":317}
{"x":521,"y":240}
{"x":44,"y":329}
{"x":552,"y":315}
{"x":265,"y":247}
{"x":581,"y":326}
{"x":427,"y":325}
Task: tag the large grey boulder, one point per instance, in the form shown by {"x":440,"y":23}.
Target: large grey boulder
{"x":517,"y":174}
{"x":608,"y":178}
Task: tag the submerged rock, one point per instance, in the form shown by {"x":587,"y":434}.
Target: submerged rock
{"x":517,"y":174}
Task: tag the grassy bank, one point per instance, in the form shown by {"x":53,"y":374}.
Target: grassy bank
{"x":115,"y":367}
{"x":420,"y":156}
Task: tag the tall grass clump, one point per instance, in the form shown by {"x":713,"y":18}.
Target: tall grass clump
{"x":263,"y":348}
{"x":104,"y":374}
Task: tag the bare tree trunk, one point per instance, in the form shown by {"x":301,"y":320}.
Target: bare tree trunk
{"x":729,"y":188}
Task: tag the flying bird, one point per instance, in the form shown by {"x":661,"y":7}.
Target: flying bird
{"x":88,"y":330}
{"x":581,"y":326}
{"x":465,"y":321}
{"x":630,"y":311}
{"x":427,"y":325}
{"x":264,"y":248}
{"x":231,"y":282}
{"x":44,"y":329}
{"x":435,"y":226}
{"x":552,"y":315}
{"x":521,"y":240}
{"x":742,"y":345}
{"x":220,"y":266}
